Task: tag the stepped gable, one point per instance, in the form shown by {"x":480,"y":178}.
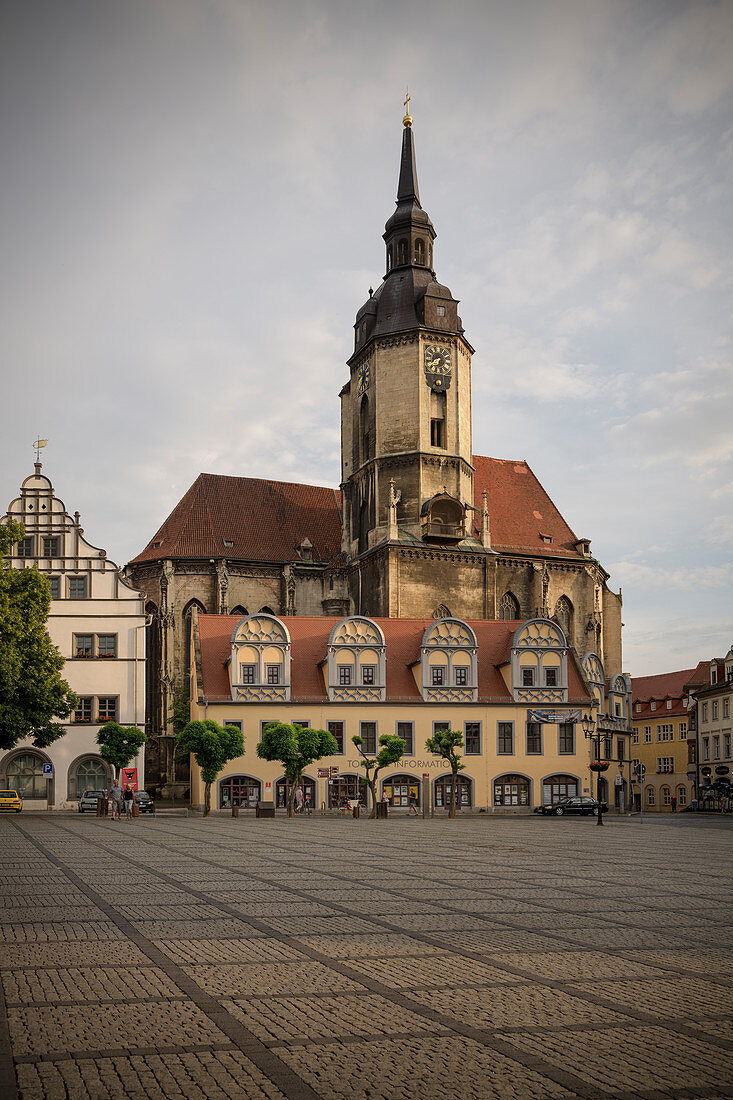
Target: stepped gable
{"x":520,"y":511}
{"x":309,"y":638}
{"x":263,"y":520}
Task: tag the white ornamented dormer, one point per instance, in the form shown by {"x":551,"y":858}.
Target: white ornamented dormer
{"x":356,"y":664}
{"x":539,"y":663}
{"x":594,"y":674}
{"x":260,"y":664}
{"x":449,"y":662}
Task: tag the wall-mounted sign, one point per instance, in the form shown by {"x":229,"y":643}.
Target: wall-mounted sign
{"x":553,"y":716}
{"x":722,"y":769}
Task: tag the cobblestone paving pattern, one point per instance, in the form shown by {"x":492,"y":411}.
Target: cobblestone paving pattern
{"x":327,"y":957}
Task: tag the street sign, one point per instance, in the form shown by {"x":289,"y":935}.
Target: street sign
{"x":323,"y":773}
{"x":48,"y":771}
{"x":426,"y":775}
{"x":641,"y":770}
{"x":334,"y":772}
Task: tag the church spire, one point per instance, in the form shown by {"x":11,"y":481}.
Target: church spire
{"x":409,"y":233}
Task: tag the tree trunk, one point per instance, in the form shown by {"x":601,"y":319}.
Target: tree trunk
{"x":291,"y":799}
{"x":372,"y":783}
{"x":207,"y":799}
{"x":452,"y":811}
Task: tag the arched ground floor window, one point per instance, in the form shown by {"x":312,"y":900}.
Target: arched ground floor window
{"x":651,"y":796}
{"x":681,"y":795}
{"x":239,"y":790}
{"x":88,"y":773}
{"x":511,"y":790}
{"x":464,"y":792}
{"x":282,"y":790}
{"x":24,"y":774}
{"x":347,"y":788}
{"x":557,"y":787}
{"x":665,"y":796}
{"x":401,"y":790}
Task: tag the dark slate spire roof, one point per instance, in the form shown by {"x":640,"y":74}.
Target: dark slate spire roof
{"x":407,"y":186}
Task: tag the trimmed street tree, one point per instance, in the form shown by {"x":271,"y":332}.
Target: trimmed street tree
{"x":392,"y":750}
{"x":444,"y":743}
{"x":211,"y":746}
{"x":295,"y":747}
{"x":32,"y":691}
{"x":118,"y":745}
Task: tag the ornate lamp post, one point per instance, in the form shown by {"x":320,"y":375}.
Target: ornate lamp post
{"x":596,"y":765}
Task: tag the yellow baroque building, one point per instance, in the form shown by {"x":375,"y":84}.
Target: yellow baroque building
{"x":515,"y":689}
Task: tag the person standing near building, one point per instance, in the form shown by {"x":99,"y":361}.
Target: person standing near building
{"x":128,"y":796}
{"x":116,"y":800}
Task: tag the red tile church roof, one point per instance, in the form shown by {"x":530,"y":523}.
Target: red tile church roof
{"x":263,"y":520}
{"x":309,"y":637}
{"x":268,"y":520}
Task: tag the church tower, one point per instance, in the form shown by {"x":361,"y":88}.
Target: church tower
{"x":406,"y":444}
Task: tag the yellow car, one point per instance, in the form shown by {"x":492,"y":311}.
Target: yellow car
{"x":11,"y":800}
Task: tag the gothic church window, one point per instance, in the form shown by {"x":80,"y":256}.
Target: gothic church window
{"x":509,"y":607}
{"x":564,"y":614}
{"x":364,"y":429}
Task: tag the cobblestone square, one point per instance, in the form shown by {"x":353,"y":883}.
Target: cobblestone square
{"x":328,"y":957}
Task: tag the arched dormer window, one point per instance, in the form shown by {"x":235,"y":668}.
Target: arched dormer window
{"x":356,"y":661}
{"x":260,"y":660}
{"x":402,"y":251}
{"x":564,"y":615}
{"x":448,"y":658}
{"x":509,"y":607}
{"x":596,"y":677}
{"x":539,"y":663}
{"x":420,"y":252}
{"x":619,"y":697}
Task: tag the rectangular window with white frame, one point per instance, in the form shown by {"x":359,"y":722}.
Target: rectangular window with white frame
{"x":368,"y":734}
{"x":534,"y":738}
{"x":368,"y":675}
{"x":106,"y":646}
{"x":566,"y":738}
{"x":107,"y":708}
{"x":344,"y":674}
{"x":461,"y":676}
{"x":505,"y":738}
{"x":705,"y":748}
{"x":273,"y":675}
{"x":246,"y":674}
{"x":406,"y":730}
{"x":665,"y":764}
{"x":437,"y":676}
{"x":472,"y":738}
{"x":683,"y":731}
{"x":635,"y":737}
{"x":83,"y":645}
{"x":715,"y":710}
{"x":716,"y":747}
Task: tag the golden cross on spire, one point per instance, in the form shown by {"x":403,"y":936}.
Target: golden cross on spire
{"x":407,"y":120}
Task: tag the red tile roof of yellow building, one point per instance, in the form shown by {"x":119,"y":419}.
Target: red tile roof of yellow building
{"x":309,"y":637}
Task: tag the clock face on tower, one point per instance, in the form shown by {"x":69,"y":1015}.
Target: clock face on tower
{"x":437,"y":367}
{"x":364,"y":377}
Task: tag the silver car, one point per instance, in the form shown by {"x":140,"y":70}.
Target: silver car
{"x":89,"y":799}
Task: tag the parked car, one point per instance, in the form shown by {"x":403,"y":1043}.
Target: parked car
{"x":145,"y":803}
{"x":579,"y":804}
{"x":89,"y":799}
{"x":11,"y":800}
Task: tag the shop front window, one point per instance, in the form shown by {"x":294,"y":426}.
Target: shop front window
{"x":239,"y":790}
{"x":345,"y":789}
{"x":557,"y":787}
{"x":402,"y":791}
{"x":443,"y":787}
{"x":511,"y":790}
{"x":307,"y":786}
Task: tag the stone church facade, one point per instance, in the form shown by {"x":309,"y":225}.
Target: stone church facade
{"x":421,"y":527}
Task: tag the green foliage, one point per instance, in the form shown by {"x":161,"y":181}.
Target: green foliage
{"x":444,"y":743}
{"x":212,"y":746}
{"x":295,"y":747}
{"x":32,"y":692}
{"x":392,"y":749}
{"x":118,"y":745}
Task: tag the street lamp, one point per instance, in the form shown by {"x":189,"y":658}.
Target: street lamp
{"x":597,"y":765}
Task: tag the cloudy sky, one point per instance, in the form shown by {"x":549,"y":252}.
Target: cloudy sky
{"x":193,"y":194}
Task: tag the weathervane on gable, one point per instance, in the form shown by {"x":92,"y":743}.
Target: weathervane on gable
{"x":38,"y":444}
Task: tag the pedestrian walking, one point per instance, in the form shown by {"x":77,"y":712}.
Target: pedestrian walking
{"x":674,"y":804}
{"x":116,"y":793}
{"x":129,"y":796}
{"x":298,"y":800}
{"x":413,"y":806}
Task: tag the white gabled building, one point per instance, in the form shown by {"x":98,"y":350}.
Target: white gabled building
{"x":97,"y":622}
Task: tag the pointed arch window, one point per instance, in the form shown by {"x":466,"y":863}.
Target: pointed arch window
{"x":509,"y":607}
{"x":364,"y":429}
{"x":564,"y":615}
